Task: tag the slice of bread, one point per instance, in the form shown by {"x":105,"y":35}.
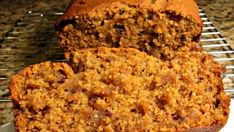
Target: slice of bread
{"x":110,"y":89}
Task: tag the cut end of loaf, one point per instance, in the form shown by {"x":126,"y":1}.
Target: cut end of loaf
{"x":121,"y":90}
{"x":159,"y":33}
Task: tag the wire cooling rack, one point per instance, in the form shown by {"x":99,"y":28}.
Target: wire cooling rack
{"x":33,"y":40}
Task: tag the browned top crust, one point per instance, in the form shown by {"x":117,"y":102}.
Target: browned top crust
{"x":186,"y":8}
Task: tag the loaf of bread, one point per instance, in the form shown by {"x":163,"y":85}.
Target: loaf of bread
{"x":158,"y":27}
{"x":121,"y":89}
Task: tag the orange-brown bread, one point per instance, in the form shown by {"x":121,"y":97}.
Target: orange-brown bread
{"x":121,"y":90}
{"x":158,"y":27}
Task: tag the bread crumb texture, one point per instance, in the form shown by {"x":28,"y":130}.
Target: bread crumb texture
{"x":158,"y":27}
{"x":111,"y":90}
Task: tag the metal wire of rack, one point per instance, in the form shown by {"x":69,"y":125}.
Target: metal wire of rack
{"x":33,"y":40}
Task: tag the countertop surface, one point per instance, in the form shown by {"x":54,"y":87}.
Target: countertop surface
{"x":220,"y":12}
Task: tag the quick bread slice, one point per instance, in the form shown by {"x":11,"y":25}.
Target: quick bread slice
{"x":158,"y":27}
{"x":116,"y":89}
{"x":34,"y":92}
